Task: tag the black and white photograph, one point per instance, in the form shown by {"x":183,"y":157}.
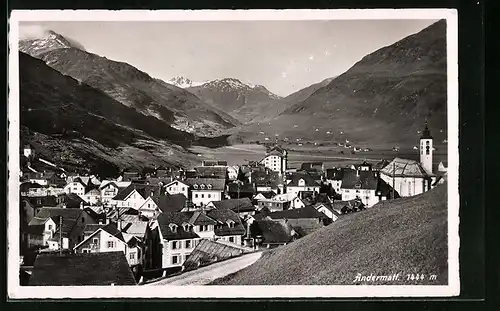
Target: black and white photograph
{"x":233,"y":153}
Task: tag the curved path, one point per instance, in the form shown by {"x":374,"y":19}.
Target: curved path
{"x":205,"y":275}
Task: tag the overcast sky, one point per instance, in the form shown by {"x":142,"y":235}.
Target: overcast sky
{"x":284,"y":56}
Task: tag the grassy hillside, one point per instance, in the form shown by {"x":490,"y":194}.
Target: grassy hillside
{"x":405,"y":236}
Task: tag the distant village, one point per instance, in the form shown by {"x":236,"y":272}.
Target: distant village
{"x":144,"y":226}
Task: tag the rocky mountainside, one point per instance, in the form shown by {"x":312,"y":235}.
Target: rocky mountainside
{"x":183,"y":82}
{"x":384,"y":98}
{"x":240,"y":100}
{"x":49,"y":41}
{"x":72,"y":124}
{"x":134,"y":88}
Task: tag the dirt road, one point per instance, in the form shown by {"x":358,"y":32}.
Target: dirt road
{"x":207,"y":274}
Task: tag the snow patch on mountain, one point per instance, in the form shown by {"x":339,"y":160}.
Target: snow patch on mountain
{"x":184,"y":82}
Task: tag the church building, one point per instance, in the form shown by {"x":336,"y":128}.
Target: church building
{"x":410,"y":177}
{"x":276,"y":160}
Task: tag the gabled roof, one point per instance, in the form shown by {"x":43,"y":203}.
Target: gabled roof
{"x":81,"y":269}
{"x":117,"y":184}
{"x":72,"y":200}
{"x":339,"y":205}
{"x":353,"y":179}
{"x":405,"y":168}
{"x":311,"y":166}
{"x":176,"y":181}
{"x":296,"y":177}
{"x":380,"y":165}
{"x":222,"y":217}
{"x":317,"y":206}
{"x":110,"y":228}
{"x":138,"y":228}
{"x":267,"y":194}
{"x":242,"y":205}
{"x":144,"y":190}
{"x":177,"y":218}
{"x":204,"y":184}
{"x":200,"y":218}
{"x":298,"y":213}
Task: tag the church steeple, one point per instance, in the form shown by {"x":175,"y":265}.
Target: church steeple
{"x":426,"y":149}
{"x":426,"y":134}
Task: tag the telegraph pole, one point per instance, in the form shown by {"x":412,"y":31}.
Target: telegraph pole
{"x":393,"y":178}
{"x":60,"y":235}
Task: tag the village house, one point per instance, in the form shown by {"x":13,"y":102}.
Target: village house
{"x":110,"y":188}
{"x":109,"y":268}
{"x":298,"y":182}
{"x":280,"y":202}
{"x":233,"y":172}
{"x":135,"y":195}
{"x":263,"y":195}
{"x":73,"y":222}
{"x":365,"y":186}
{"x":177,"y":187}
{"x":39,"y":231}
{"x":229,"y":227}
{"x":205,"y":190}
{"x":69,"y":200}
{"x":28,"y":151}
{"x":276,"y":159}
{"x":334,"y":178}
{"x":149,"y":208}
{"x":76,"y":186}
{"x":176,"y":237}
{"x":328,"y":210}
{"x":110,"y":238}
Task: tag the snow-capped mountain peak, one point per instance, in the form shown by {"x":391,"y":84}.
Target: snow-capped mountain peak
{"x":183,"y":82}
{"x":46,"y":41}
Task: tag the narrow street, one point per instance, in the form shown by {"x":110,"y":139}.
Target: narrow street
{"x":207,"y":274}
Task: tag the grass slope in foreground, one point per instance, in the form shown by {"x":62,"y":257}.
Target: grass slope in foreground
{"x":405,"y":236}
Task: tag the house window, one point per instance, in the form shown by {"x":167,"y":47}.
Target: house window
{"x":132,"y":256}
{"x":188,"y":244}
{"x":95,"y":240}
{"x":196,"y":195}
{"x":202,"y":196}
{"x":209,"y":195}
{"x":50,"y":227}
{"x":175,"y":245}
{"x":175,"y":259}
{"x":85,"y":250}
{"x":231,"y":239}
{"x":111,"y":244}
{"x":83,"y":220}
{"x":183,"y":189}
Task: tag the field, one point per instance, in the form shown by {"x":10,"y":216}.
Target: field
{"x":328,"y":154}
{"x":402,"y":237}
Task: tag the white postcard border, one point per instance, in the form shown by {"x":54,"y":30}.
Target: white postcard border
{"x":15,"y":291}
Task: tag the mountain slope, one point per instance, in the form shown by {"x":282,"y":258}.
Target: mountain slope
{"x":49,"y":41}
{"x":132,"y":87}
{"x":236,"y":98}
{"x":268,"y":112}
{"x":77,"y":123}
{"x":384,"y":98}
{"x":405,"y":236}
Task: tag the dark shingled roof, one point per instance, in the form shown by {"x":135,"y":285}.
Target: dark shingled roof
{"x":72,"y":200}
{"x":309,"y":180}
{"x":222,"y":217}
{"x":359,"y":180}
{"x":206,"y":183}
{"x":268,"y":194}
{"x":311,"y":166}
{"x":81,"y":269}
{"x":244,"y":188}
{"x":242,"y":205}
{"x":298,"y":213}
{"x":177,"y":218}
{"x":211,"y":172}
{"x":143,"y":189}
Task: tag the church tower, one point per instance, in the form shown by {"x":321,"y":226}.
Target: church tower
{"x":426,"y":149}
